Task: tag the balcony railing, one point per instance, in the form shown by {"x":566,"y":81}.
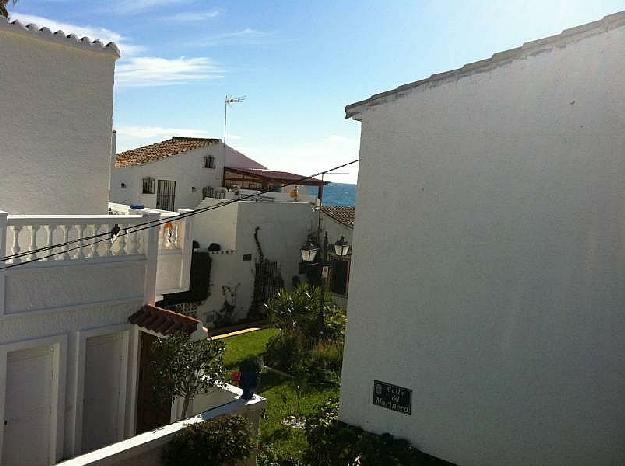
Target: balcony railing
{"x":33,"y":238}
{"x":149,"y":252}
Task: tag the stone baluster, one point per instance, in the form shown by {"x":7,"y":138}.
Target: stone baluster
{"x":81,"y":242}
{"x":50,"y":236}
{"x":16,"y":249}
{"x":95,"y":242}
{"x":65,"y":229}
{"x":33,"y":242}
{"x":122,"y":242}
{"x":139,"y":241}
{"x":108,"y":243}
{"x":133,"y":239}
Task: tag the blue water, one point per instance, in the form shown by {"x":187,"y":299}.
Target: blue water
{"x":337,"y":194}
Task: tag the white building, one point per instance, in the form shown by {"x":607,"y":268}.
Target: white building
{"x":255,"y":249}
{"x":68,"y":353}
{"x":175,"y":173}
{"x":488,"y":280}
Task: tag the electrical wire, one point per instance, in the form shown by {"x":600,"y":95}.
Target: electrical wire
{"x":146,"y":225}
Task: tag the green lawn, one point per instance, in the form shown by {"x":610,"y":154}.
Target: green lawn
{"x":284,"y":397}
{"x":243,"y":346}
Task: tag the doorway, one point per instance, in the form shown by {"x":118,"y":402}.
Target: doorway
{"x":166,"y":195}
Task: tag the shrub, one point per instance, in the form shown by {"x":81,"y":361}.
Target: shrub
{"x":184,"y":368}
{"x":299,"y":311}
{"x":323,"y":364}
{"x":222,"y":441}
{"x":334,"y":443}
{"x":285,"y":352}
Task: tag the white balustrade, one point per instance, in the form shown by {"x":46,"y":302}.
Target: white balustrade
{"x":73,"y":237}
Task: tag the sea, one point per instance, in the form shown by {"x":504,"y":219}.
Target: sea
{"x":337,"y":194}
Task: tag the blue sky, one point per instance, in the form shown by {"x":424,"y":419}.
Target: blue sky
{"x":298,"y":62}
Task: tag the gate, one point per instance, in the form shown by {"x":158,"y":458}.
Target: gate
{"x":166,"y":195}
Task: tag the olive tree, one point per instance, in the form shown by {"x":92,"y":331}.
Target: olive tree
{"x":185,"y":368}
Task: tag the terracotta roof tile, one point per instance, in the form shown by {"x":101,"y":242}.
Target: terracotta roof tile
{"x":161,"y":150}
{"x":342,"y":214}
{"x":276,"y":176}
{"x":566,"y":37}
{"x":163,"y":321}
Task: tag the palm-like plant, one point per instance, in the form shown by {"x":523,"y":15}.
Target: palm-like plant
{"x":3,"y":7}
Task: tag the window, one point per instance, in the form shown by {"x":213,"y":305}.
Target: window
{"x":208,"y":191}
{"x":149,"y":185}
{"x":209,"y":161}
{"x":123,"y":185}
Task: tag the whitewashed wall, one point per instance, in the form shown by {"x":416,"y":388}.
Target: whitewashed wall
{"x":489,"y":276}
{"x":187,"y":170}
{"x":284,"y":227}
{"x":55,"y":128}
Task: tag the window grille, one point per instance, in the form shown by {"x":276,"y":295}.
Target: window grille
{"x":149,"y":185}
{"x":209,"y":161}
{"x":208,"y":191}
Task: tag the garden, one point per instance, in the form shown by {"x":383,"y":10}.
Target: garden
{"x":300,"y":358}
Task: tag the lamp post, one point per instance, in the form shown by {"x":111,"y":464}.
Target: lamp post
{"x":309,"y":252}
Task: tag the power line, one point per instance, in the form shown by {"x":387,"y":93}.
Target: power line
{"x":146,"y":225}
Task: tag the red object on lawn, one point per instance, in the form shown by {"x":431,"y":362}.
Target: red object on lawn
{"x":236,"y":377}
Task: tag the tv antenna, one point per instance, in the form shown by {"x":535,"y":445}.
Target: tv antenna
{"x":228,"y":101}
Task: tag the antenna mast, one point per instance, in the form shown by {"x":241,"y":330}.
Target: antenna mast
{"x":229,"y":100}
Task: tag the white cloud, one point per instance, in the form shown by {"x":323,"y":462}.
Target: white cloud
{"x":157,"y":71}
{"x":193,"y":16}
{"x":243,"y":36}
{"x":129,"y":137}
{"x":92,"y":32}
{"x":137,"y":6}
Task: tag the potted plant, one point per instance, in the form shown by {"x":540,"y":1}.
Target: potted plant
{"x":249,"y":376}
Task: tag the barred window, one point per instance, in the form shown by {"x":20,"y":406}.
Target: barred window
{"x":208,"y":191}
{"x":209,"y":161}
{"x":149,"y":185}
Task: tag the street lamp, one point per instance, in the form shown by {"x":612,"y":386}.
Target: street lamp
{"x":341,"y":247}
{"x":309,"y":251}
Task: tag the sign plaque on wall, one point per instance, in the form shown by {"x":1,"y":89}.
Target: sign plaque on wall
{"x":392,"y":397}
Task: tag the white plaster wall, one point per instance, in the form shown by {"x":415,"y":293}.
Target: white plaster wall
{"x":284,"y":227}
{"x":40,"y":287}
{"x":335,"y":230}
{"x":489,"y":276}
{"x":187,"y":170}
{"x":55,"y":126}
{"x":218,"y":225}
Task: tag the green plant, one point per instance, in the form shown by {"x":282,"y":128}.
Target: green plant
{"x":322,"y":365}
{"x":222,"y":441}
{"x":300,"y":311}
{"x":285,"y":352}
{"x":184,"y":368}
{"x":334,"y":443}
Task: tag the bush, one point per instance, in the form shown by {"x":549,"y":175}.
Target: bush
{"x":299,"y":312}
{"x":334,"y":443}
{"x":222,"y":441}
{"x":323,"y":364}
{"x":285,"y":352}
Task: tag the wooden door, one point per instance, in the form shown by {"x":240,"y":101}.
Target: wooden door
{"x":28,"y":406}
{"x":104,"y":389}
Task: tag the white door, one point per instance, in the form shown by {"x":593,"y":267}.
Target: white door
{"x":103,"y":399}
{"x":27,"y":409}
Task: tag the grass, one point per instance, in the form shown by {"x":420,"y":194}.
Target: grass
{"x":248,"y":344}
{"x":285,"y":398}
